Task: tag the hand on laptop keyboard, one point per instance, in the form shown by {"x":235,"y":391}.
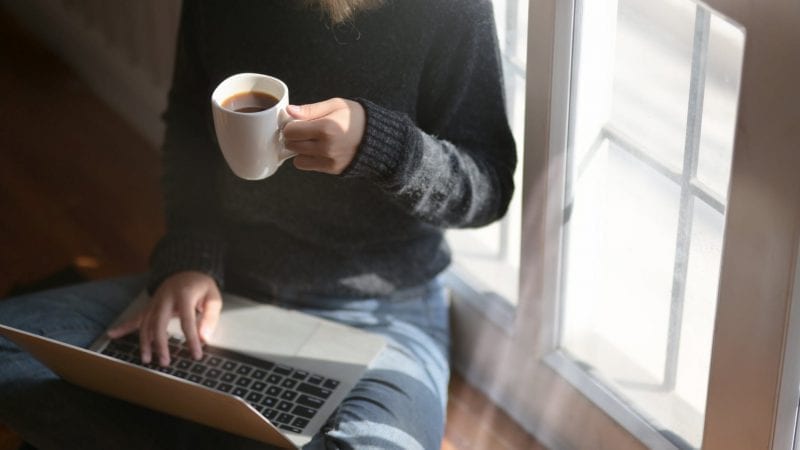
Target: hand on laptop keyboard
{"x":193,"y":297}
{"x":288,"y":397}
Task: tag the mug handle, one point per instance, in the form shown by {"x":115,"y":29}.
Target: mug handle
{"x":283,"y":119}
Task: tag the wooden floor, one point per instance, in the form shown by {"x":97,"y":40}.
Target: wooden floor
{"x":79,"y":189}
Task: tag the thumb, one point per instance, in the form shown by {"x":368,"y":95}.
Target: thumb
{"x":313,"y":111}
{"x":126,"y":327}
{"x":209,"y":316}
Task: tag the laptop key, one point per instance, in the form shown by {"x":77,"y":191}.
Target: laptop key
{"x":284,"y":406}
{"x":300,"y":374}
{"x":243,"y":382}
{"x":270,"y":414}
{"x":300,"y":422}
{"x":290,"y":428}
{"x":239,"y":392}
{"x":199,"y":369}
{"x":124,"y":346}
{"x":314,"y":390}
{"x":210,"y":383}
{"x":115,"y":348}
{"x":228,"y":377}
{"x":289,"y":383}
{"x":283,"y":370}
{"x":214,"y":373}
{"x":258,"y":386}
{"x":303,"y":411}
{"x":274,"y":391}
{"x":274,"y":379}
{"x":330,"y":384}
{"x":288,"y":395}
{"x":244,"y":370}
{"x":229,"y":365}
{"x":269,"y":402}
{"x":315,"y":379}
{"x":214,"y":361}
{"x":254,"y":397}
{"x":284,"y":418}
{"x":266,"y":365}
{"x":194,"y":378}
{"x":311,"y":402}
{"x":259,"y":374}
{"x":225,"y":387}
{"x":183,"y":364}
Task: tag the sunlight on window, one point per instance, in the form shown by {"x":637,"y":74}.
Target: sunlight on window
{"x":655,"y":88}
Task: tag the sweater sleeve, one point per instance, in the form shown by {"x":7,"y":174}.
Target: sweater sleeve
{"x":194,"y":238}
{"x":454,"y":166}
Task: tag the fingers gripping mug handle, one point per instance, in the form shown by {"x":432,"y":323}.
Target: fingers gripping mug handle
{"x":283,"y":119}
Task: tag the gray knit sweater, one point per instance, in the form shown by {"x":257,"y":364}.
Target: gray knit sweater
{"x":437,"y":151}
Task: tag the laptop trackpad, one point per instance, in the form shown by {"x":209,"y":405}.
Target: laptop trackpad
{"x":261,"y":329}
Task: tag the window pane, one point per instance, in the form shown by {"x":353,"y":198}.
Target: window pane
{"x":719,"y":105}
{"x":623,"y":210}
{"x":651,"y":74}
{"x":699,"y":305}
{"x":655,"y":88}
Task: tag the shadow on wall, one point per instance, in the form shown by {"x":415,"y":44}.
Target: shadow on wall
{"x":123,"y":50}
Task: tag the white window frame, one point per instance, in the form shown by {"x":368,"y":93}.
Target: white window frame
{"x":758,"y":264}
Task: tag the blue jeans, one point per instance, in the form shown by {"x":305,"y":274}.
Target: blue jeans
{"x":399,"y":403}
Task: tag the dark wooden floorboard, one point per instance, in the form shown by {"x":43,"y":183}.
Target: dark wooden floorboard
{"x":79,"y":188}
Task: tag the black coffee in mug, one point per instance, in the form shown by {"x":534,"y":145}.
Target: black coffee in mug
{"x":249,"y":102}
{"x":249,"y":111}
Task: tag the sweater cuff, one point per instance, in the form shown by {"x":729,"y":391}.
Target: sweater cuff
{"x":175,"y":254}
{"x":381,"y":149}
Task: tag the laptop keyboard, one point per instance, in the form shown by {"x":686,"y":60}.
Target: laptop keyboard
{"x":288,"y":397}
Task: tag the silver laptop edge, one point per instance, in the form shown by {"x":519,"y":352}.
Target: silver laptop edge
{"x":257,"y":330}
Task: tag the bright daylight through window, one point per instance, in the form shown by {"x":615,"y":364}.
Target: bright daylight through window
{"x":654,"y":98}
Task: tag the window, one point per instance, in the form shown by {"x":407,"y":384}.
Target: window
{"x":544,"y":368}
{"x":655,"y":88}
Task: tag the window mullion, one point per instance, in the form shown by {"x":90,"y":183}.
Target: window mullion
{"x":686,"y":210}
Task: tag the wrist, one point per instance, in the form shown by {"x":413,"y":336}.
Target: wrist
{"x":378,"y":154}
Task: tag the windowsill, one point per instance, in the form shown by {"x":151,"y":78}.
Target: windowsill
{"x":588,"y":383}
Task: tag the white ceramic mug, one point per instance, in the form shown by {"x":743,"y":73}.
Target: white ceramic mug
{"x":252,"y":142}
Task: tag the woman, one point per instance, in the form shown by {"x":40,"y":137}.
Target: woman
{"x":401,"y":133}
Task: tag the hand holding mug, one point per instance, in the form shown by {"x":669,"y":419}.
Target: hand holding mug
{"x":325,"y":135}
{"x":258,"y":130}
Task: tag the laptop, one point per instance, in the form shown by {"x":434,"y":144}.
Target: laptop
{"x":270,"y":374}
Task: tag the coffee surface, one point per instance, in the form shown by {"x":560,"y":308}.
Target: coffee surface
{"x":249,"y":102}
